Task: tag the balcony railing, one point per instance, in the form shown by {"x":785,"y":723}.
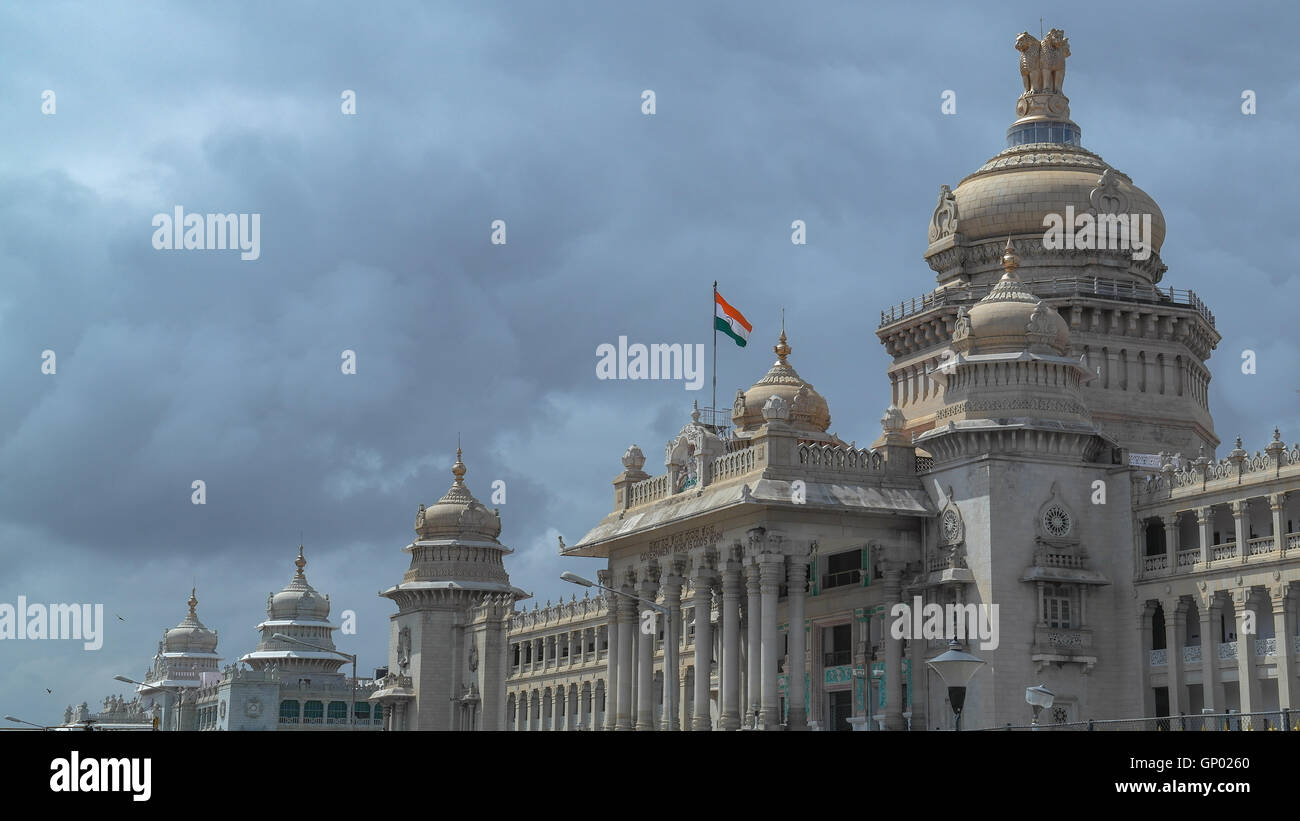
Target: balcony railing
{"x":1227,"y":550}
{"x":837,"y":658}
{"x":1151,"y":564}
{"x":1261,"y":546}
{"x":1188,"y":558}
{"x":842,"y":578}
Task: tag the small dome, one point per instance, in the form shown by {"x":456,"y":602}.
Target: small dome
{"x":458,"y":515}
{"x":190,"y":636}
{"x":299,"y":600}
{"x":807,"y":407}
{"x":1011,"y":319}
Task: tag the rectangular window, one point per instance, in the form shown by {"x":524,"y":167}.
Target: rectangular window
{"x":837,"y":645}
{"x":842,"y":569}
{"x":1056,"y":600}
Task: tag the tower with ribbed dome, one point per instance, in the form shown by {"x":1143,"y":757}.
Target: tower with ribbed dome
{"x":1145,"y":342}
{"x":186,"y":660}
{"x":300,"y":612}
{"x":447,"y":646}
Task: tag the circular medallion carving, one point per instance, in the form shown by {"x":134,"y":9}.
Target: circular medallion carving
{"x":1057,"y":522}
{"x":951,"y":525}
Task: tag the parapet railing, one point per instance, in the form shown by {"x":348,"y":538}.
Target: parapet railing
{"x":1102,"y":287}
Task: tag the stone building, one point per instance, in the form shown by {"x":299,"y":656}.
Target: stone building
{"x":1047,"y":397}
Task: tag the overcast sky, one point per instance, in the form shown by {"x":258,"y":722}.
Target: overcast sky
{"x":176,"y":366}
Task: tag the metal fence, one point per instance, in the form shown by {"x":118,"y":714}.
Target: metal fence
{"x":1275,"y":720}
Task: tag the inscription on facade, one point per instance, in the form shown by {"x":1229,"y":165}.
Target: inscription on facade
{"x":682,"y":542}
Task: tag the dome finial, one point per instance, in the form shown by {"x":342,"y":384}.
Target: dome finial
{"x":1010,"y":261}
{"x":300,"y":562}
{"x":781,"y":349}
{"x":458,"y":469}
{"x":193,"y":602}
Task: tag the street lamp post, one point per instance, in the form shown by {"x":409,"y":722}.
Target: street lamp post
{"x":22,"y":721}
{"x":176,"y":691}
{"x":956,"y":667}
{"x":352,"y":716}
{"x":1039,"y":698}
{"x":670,"y":686}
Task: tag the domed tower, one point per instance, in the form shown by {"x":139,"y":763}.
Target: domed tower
{"x":1011,"y":386}
{"x":297,"y":611}
{"x":186,"y":653}
{"x":1089,"y":244}
{"x":448,"y":643}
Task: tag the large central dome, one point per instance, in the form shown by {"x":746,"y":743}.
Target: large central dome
{"x":1043,"y":177}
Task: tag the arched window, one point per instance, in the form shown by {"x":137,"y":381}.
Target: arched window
{"x":313,"y":712}
{"x":363,"y":711}
{"x":338,"y":712}
{"x":379,"y":714}
{"x":289,"y":711}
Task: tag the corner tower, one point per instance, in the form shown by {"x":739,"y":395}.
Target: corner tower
{"x":447,"y":648}
{"x":1088,"y":241}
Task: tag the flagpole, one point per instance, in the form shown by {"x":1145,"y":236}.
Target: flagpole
{"x":714,"y":322}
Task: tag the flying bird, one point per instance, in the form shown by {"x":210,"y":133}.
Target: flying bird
{"x":119,"y":618}
{"x":48,"y":690}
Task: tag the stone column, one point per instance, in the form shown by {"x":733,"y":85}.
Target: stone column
{"x":611,"y":659}
{"x":754,"y":641}
{"x":672,"y":647}
{"x":684,"y":703}
{"x":645,"y":709}
{"x":582,"y":707}
{"x":1240,"y":516}
{"x":730,"y":656}
{"x":1211,"y":686}
{"x":1205,"y":523}
{"x":573,"y":709}
{"x":744,"y":658}
{"x":1175,"y":638}
{"x":703,"y":601}
{"x":920,"y":683}
{"x":1247,"y":677}
{"x":1277,"y":506}
{"x":795,"y":587}
{"x":771,"y":574}
{"x":1171,"y":540}
{"x":1145,"y":616}
{"x":626,"y":637}
{"x":1280,"y":597}
{"x":556,"y":699}
{"x":893,"y":594}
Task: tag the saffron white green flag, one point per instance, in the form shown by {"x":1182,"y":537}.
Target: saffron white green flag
{"x":730,"y":321}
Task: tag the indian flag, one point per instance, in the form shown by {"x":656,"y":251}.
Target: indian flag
{"x":730,"y":321}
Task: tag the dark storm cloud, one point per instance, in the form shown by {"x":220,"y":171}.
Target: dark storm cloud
{"x":176,"y":366}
